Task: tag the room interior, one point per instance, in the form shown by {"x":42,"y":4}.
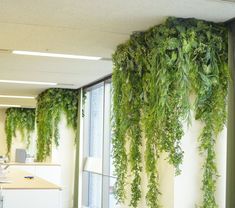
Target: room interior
{"x":116,"y":104}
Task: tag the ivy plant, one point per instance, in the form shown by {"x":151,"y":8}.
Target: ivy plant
{"x":154,"y":74}
{"x":19,"y":119}
{"x":50,"y":106}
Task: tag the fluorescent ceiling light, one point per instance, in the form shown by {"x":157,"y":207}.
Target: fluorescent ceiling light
{"x":56,"y":55}
{"x":6,"y":105}
{"x":17,"y":96}
{"x":27,"y":82}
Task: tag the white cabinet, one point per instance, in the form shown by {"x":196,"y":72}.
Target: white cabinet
{"x":29,"y":193}
{"x":31,"y":198}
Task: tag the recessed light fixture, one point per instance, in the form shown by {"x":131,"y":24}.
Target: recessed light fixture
{"x":9,"y":105}
{"x":17,"y":96}
{"x":56,"y":55}
{"x":27,"y":82}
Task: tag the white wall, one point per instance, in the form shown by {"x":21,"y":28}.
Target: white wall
{"x":3,"y":145}
{"x":187,"y":186}
{"x":65,"y":156}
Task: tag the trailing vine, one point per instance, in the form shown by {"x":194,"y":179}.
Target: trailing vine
{"x":50,"y":106}
{"x":210,"y":84}
{"x":19,"y":119}
{"x":154,"y":74}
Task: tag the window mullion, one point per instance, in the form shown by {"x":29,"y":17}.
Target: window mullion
{"x":106,"y":147}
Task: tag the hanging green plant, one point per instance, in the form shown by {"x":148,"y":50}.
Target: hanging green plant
{"x":19,"y":119}
{"x":50,"y":106}
{"x":211,"y":85}
{"x":128,"y":102}
{"x":154,"y":74}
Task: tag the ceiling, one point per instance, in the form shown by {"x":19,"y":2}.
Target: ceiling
{"x":80,"y":27}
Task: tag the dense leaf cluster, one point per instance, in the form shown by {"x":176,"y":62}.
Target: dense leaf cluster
{"x":50,"y":106}
{"x":19,"y":119}
{"x":154,"y":74}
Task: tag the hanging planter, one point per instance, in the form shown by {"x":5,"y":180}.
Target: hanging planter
{"x":19,"y":119}
{"x":50,"y":106}
{"x":154,"y":74}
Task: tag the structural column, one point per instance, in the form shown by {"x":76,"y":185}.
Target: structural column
{"x":230,"y":190}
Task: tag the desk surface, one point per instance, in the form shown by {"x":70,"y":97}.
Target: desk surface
{"x":19,"y":182}
{"x":31,"y":164}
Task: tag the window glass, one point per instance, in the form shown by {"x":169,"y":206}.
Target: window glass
{"x":98,"y":180}
{"x":96,"y":122}
{"x":95,"y":188}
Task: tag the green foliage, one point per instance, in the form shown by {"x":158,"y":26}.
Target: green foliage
{"x":21,"y":119}
{"x":50,"y":106}
{"x":127,"y":102}
{"x":154,"y":74}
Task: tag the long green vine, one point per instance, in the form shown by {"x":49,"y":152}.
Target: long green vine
{"x":21,"y":119}
{"x":154,"y":74}
{"x":211,"y":84}
{"x":127,"y":102}
{"x":50,"y":106}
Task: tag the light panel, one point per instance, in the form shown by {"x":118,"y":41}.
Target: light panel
{"x":56,"y":55}
{"x":27,"y":82}
{"x":9,"y":105}
{"x":17,"y":96}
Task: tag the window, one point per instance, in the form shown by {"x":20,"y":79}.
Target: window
{"x":98,"y":180}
